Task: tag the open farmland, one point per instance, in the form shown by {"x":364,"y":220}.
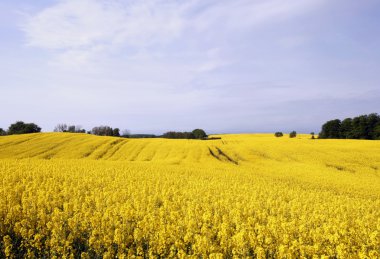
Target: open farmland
{"x":246,"y":195}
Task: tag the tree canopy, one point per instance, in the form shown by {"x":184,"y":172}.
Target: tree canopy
{"x":278,"y":134}
{"x":23,"y":128}
{"x":292,"y":134}
{"x":361,"y":127}
{"x":199,"y":134}
{"x":195,"y":134}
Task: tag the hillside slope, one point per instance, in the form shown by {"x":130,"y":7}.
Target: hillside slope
{"x":243,"y":196}
{"x":236,"y":149}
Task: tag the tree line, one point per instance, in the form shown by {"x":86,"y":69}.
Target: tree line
{"x":360,"y":127}
{"x":195,"y":134}
{"x":21,"y":127}
{"x":99,"y":130}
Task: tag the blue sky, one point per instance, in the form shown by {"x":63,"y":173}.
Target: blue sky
{"x":153,"y":66}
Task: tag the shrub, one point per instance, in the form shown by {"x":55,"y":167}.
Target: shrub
{"x":278,"y":134}
{"x":292,"y":134}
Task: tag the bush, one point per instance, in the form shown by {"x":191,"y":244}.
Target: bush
{"x":2,"y":132}
{"x":292,"y":134}
{"x":278,"y":134}
{"x":23,"y":128}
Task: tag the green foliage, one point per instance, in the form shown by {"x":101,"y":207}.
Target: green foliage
{"x":23,"y":128}
{"x":278,"y":134}
{"x":199,"y":134}
{"x":116,"y":132}
{"x":195,"y":134}
{"x":178,"y":135}
{"x":376,"y":132}
{"x":292,"y":134}
{"x":140,"y":136}
{"x":361,"y":127}
{"x":2,"y":132}
{"x":331,"y":129}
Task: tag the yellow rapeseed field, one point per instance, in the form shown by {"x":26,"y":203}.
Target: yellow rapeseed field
{"x":68,"y":195}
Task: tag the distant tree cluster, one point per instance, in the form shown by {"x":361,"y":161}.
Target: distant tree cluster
{"x":195,"y":134}
{"x":279,"y":134}
{"x":106,"y":131}
{"x":21,"y":127}
{"x":139,"y":136}
{"x":361,"y":127}
{"x":69,"y":128}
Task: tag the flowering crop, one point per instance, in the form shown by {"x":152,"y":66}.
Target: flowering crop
{"x":73,"y":195}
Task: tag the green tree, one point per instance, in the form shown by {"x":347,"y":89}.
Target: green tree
{"x":360,"y":127}
{"x":2,"y":132}
{"x":346,"y":128}
{"x":278,"y":134}
{"x":116,"y":132}
{"x":23,"y":128}
{"x":376,"y":131}
{"x":331,"y":129}
{"x":292,"y":134}
{"x":199,"y":134}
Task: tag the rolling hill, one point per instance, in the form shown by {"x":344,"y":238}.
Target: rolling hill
{"x":244,"y":195}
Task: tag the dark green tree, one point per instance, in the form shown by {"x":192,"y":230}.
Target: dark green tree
{"x":116,"y":132}
{"x":360,"y":127}
{"x":331,"y":129}
{"x":178,"y":135}
{"x":372,"y":121}
{"x":376,"y":131}
{"x":2,"y":132}
{"x":23,"y":128}
{"x":199,"y":134}
{"x":292,"y":134}
{"x":346,"y":128}
{"x":278,"y":134}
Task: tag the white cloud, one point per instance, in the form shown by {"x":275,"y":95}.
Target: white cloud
{"x":83,"y":24}
{"x":158,"y":57}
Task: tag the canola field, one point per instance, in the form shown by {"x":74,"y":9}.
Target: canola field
{"x":68,"y":195}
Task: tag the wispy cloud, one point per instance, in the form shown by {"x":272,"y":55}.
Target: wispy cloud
{"x":92,"y":26}
{"x":223,"y":63}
